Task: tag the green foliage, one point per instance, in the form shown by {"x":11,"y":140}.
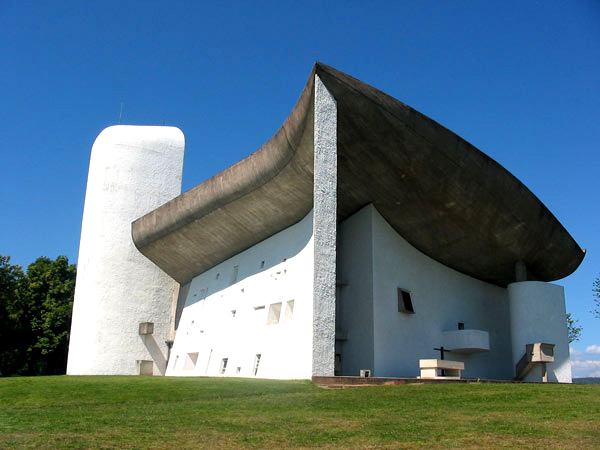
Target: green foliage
{"x":35,"y":314}
{"x":169,"y":412}
{"x":11,"y":278}
{"x":574,"y":330}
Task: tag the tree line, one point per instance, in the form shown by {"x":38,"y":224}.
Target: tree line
{"x":35,"y":316}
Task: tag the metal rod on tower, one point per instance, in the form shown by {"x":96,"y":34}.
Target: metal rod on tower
{"x":121,"y":113}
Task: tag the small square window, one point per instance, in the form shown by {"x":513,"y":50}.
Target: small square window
{"x":461,"y":326}
{"x":274,"y":313}
{"x":190,"y":361}
{"x":405,"y":302}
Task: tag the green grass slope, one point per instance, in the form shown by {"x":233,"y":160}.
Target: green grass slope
{"x":146,"y":412}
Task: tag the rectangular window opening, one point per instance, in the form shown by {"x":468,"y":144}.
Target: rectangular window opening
{"x":223,"y":366}
{"x":262,"y":264}
{"x":190,"y":361}
{"x":234,"y":275}
{"x":256,"y":363}
{"x":274,"y":313}
{"x":289,"y":311}
{"x":405,"y":302}
{"x":461,"y":326}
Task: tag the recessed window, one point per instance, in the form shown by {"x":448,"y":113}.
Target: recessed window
{"x":405,"y":302}
{"x":262,"y":264}
{"x":461,"y":326}
{"x":238,"y":369}
{"x":223,"y":366}
{"x":256,"y":363}
{"x":274,"y":313}
{"x":289,"y":311}
{"x":217,"y":277}
{"x":190,"y":361}
{"x":234,"y":275}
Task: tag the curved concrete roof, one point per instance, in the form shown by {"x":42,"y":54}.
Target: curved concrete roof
{"x":445,"y":197}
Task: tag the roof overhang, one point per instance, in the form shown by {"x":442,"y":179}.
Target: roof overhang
{"x":444,"y":196}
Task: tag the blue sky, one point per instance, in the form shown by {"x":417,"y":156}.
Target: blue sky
{"x":518,"y":79}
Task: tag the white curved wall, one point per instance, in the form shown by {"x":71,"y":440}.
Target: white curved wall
{"x":537,"y":314}
{"x":374,"y":261}
{"x":133,"y":170}
{"x":276,"y":270}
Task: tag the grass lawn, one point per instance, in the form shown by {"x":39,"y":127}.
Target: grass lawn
{"x":147,"y":412}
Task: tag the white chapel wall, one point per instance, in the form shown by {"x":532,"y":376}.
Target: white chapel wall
{"x":354,"y":312}
{"x":227,"y":312}
{"x":441,"y":297}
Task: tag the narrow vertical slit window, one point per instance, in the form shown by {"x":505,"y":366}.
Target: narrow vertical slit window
{"x":405,"y":302}
{"x":256,"y":363}
{"x":223,"y":366}
{"x":234,"y":275}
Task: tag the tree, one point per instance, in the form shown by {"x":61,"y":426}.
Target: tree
{"x":596,"y":293}
{"x":574,"y":332}
{"x":48,"y":290}
{"x":11,"y":277}
{"x":37,"y":314}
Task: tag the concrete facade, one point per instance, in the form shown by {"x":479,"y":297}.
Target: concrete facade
{"x":360,"y":236}
{"x":133,"y":170}
{"x":325,"y":229}
{"x":374,"y":263}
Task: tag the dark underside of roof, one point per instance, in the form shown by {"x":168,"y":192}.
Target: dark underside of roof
{"x":444,"y":196}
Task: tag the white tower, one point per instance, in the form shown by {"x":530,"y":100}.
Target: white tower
{"x":133,"y":170}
